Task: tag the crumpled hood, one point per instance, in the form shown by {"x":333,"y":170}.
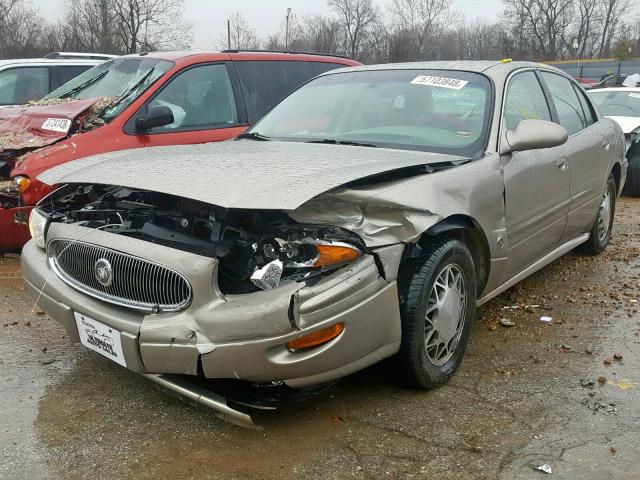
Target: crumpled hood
{"x":240,"y":174}
{"x":34,"y":126}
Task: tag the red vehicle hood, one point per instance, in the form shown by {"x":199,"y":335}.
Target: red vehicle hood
{"x":35,"y":126}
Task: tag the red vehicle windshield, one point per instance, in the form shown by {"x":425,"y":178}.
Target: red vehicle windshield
{"x":122,"y":79}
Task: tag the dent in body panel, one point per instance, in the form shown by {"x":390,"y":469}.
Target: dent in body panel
{"x":402,"y":211}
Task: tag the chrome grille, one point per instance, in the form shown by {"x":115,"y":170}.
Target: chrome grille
{"x":136,"y":283}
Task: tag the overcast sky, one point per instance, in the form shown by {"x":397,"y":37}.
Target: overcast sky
{"x":208,"y":16}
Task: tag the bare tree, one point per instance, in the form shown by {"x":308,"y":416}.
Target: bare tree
{"x":357,"y":16}
{"x":150,"y":24}
{"x":242,"y":35}
{"x":611,"y":11}
{"x":419,"y":22}
{"x":546,"y":22}
{"x":90,"y":25}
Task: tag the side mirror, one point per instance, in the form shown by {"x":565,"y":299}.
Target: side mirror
{"x":533,"y":134}
{"x":157,"y":116}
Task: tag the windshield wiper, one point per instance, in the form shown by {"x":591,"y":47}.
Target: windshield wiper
{"x":331,"y":141}
{"x":254,"y":136}
{"x":84,"y":85}
{"x":131,"y":89}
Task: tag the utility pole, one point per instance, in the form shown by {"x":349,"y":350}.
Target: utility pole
{"x":576,"y":46}
{"x":228,"y":34}
{"x":286,"y":31}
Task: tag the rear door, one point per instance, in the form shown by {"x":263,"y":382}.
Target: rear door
{"x":264,"y":83}
{"x":536,"y":181}
{"x":206,"y":105}
{"x":587,"y":150}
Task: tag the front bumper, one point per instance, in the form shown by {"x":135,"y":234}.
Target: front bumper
{"x":238,"y":336}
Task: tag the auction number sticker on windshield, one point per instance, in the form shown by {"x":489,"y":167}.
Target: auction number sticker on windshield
{"x":444,"y":82}
{"x":57,"y":124}
{"x":634,"y":95}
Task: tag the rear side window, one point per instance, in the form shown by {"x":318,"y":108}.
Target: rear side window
{"x":200,"y":98}
{"x":565,"y":99}
{"x":265,"y":83}
{"x":525,"y":100}
{"x":62,"y":74}
{"x":21,"y":85}
{"x":321,"y":67}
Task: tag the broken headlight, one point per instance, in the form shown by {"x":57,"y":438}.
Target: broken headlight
{"x":299,"y":259}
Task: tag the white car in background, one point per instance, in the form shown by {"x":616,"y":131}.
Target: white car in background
{"x":622,"y":104}
{"x":23,"y":80}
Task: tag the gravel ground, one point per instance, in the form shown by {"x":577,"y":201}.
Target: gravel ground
{"x":566,"y":394}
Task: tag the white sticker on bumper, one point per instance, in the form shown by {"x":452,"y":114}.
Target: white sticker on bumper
{"x":100,"y":338}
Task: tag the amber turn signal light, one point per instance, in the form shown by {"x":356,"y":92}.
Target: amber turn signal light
{"x":22,"y":182}
{"x":316,"y":338}
{"x":329,"y":255}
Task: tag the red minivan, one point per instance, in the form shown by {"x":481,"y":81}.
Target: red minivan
{"x":145,"y":100}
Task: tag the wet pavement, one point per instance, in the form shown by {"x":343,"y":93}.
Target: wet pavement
{"x":530,"y":394}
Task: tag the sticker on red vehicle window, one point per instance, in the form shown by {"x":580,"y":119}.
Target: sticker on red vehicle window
{"x":57,"y":124}
{"x":443,"y":82}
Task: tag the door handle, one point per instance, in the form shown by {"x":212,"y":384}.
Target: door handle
{"x":563,"y":165}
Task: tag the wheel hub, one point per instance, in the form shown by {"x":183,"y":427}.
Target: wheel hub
{"x":445,"y":314}
{"x":604,"y":216}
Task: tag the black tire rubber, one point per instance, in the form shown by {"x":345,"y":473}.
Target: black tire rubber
{"x":632,"y":184}
{"x":594,"y":245}
{"x":415,"y":280}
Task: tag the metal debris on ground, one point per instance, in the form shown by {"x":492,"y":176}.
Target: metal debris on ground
{"x":515,"y":307}
{"x":546,"y":319}
{"x":545,"y":467}
{"x":505,"y":322}
{"x":587,"y":382}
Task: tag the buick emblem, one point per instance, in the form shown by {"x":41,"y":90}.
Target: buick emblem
{"x":103,"y":272}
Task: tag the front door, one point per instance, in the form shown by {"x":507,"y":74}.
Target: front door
{"x":536,"y":181}
{"x":204,"y":105}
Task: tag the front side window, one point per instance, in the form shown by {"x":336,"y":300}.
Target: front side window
{"x":200,"y":98}
{"x":21,"y":85}
{"x":563,"y":95}
{"x":617,"y":103}
{"x":525,"y":100}
{"x":121,"y":79}
{"x":431,"y":110}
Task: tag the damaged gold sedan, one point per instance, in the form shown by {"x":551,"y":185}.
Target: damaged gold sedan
{"x":364,"y":217}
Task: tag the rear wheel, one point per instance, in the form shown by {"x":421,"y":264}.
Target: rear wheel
{"x":437,"y":305}
{"x":632,"y":185}
{"x":603,"y":224}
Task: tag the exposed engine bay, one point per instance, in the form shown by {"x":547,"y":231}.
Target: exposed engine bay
{"x":257,"y":249}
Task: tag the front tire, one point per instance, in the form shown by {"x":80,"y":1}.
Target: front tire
{"x":437,"y":306}
{"x":632,"y":185}
{"x":602,"y":226}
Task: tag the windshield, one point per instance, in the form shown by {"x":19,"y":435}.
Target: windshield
{"x":618,"y":103}
{"x":431,"y":110}
{"x":122,"y":79}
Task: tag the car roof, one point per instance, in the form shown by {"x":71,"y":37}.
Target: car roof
{"x":491,"y":68}
{"x":196,"y":56}
{"x":49,"y":61}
